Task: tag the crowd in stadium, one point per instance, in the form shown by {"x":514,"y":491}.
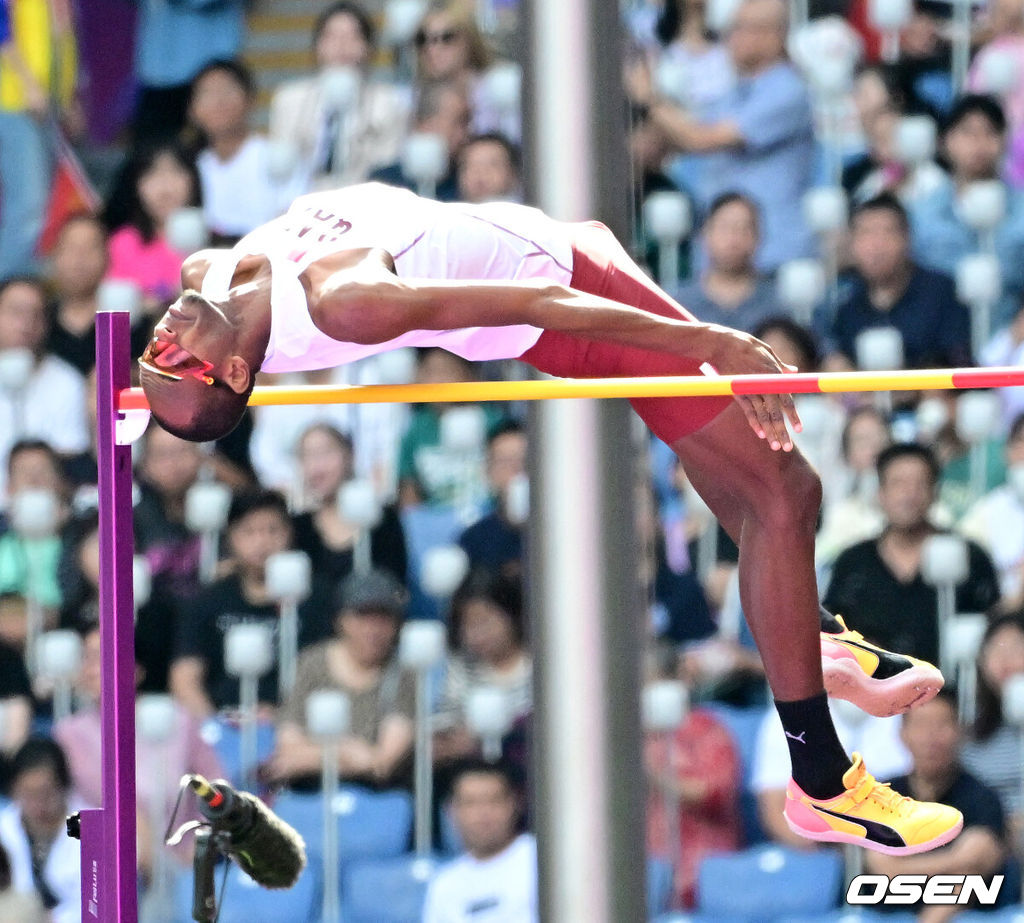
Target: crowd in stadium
{"x":847,"y":187}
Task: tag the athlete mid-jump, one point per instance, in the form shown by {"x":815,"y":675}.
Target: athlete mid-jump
{"x":364,"y":269}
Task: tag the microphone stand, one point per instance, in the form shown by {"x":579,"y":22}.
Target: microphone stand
{"x":204,"y":863}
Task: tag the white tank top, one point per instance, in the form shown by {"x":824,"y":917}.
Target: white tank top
{"x":428,"y":239}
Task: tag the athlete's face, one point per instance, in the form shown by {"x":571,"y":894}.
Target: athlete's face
{"x":199,"y":326}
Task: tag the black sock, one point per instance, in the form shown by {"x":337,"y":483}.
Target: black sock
{"x":818,"y":757}
{"x":829,"y":623}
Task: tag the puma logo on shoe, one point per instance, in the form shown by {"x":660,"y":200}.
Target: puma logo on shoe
{"x":799,"y":738}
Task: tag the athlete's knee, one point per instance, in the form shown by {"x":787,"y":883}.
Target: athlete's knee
{"x":792,"y":498}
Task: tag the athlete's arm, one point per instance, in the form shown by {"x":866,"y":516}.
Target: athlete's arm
{"x":367,"y":303}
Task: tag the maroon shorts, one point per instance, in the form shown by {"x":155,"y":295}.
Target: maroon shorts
{"x":602,"y":267}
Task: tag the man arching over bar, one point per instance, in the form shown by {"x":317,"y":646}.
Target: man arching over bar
{"x":360,"y":270}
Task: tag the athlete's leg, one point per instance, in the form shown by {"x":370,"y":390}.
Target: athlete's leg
{"x":769,"y":502}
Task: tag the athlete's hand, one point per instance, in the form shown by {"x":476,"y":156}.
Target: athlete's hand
{"x":737,"y":353}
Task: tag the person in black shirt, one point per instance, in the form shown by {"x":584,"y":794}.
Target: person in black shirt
{"x":80,"y":261}
{"x":932,"y":736}
{"x":494,"y":541}
{"x":877,"y":584}
{"x":258,"y":527}
{"x":887,"y":289}
{"x":326,"y":460}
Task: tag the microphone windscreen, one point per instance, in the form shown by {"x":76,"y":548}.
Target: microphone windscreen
{"x":270,"y":852}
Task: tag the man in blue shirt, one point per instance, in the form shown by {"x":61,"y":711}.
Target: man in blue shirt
{"x":887,"y":289}
{"x":974,"y":141}
{"x":760,"y":136}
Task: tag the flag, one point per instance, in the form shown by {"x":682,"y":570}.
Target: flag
{"x":70,"y":194}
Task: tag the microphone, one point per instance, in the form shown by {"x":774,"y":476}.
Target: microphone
{"x":267,"y":849}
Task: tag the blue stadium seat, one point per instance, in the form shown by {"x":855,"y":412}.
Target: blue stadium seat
{"x":425,"y":527}
{"x":371,"y":825}
{"x":243,"y":901}
{"x":659,"y":885}
{"x":226,"y":738}
{"x":791,"y":883}
{"x":743,"y":725}
{"x":386,"y":890}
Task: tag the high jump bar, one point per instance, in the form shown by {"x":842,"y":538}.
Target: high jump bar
{"x":674,"y":386}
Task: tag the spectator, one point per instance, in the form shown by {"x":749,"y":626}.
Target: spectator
{"x":359,"y":661}
{"x":880,"y":103}
{"x":932,"y":735}
{"x":239,"y":189}
{"x":173,"y":42}
{"x":703,"y":64}
{"x":488,"y":169}
{"x":339,"y":146}
{"x":1005,"y":348}
{"x":158,"y":180}
{"x":16,"y":706}
{"x":996,"y":521}
{"x":25,"y":908}
{"x":28,"y":564}
{"x":1006,"y":25}
{"x":888,"y":289}
{"x":877,"y":583}
{"x":45,"y":861}
{"x":80,"y":260}
{"x":699,"y":766}
{"x":375,"y":429}
{"x":487,"y":640}
{"x":184,"y":750}
{"x":325,"y":458}
{"x":876,"y":739}
{"x":258,"y":527}
{"x":441,"y":109}
{"x":494,"y":542}
{"x":166,"y":468}
{"x":852,"y":513}
{"x":429,"y":471}
{"x":730,"y":291}
{"x":703,"y":72}
{"x":49,"y":406}
{"x":154,"y":619}
{"x":450,"y":48}
{"x":38,"y":81}
{"x":924,"y":67}
{"x":498,"y":870}
{"x":991,"y":751}
{"x":974,"y":142}
{"x":761,"y":135}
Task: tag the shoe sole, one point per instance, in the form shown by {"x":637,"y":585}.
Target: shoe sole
{"x":834,"y":836}
{"x":844,"y":679}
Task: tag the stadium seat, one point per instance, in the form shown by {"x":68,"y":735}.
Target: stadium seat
{"x":791,"y":883}
{"x":244,"y":901}
{"x":371,"y":825}
{"x":386,"y":890}
{"x":659,"y":885}
{"x":225,"y":737}
{"x":743,"y":725}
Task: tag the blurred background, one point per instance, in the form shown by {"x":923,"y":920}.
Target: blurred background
{"x":329,"y":601}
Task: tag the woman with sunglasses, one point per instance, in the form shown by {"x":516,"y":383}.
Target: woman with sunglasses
{"x":342,"y":121}
{"x":451,"y":48}
{"x":364,"y":269}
